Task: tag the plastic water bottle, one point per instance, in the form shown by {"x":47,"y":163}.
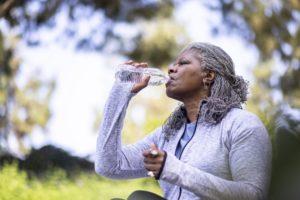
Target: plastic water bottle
{"x":129,"y":74}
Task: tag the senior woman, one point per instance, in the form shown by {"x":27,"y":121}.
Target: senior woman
{"x":209,"y":147}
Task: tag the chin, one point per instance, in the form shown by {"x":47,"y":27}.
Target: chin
{"x":173,"y":95}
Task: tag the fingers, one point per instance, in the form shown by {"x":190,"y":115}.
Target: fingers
{"x":137,"y":64}
{"x":153,"y":160}
{"x":149,"y":159}
{"x":145,"y":79}
{"x":152,"y":151}
{"x":152,"y":168}
{"x":151,"y":174}
{"x":129,"y":62}
{"x":153,"y":146}
{"x":140,"y":85}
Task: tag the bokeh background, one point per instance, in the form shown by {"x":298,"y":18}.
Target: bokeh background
{"x":57,"y":63}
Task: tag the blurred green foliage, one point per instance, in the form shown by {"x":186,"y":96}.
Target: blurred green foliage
{"x":32,"y":15}
{"x":159,"y":43}
{"x":273,"y":27}
{"x":23,"y":106}
{"x":56,"y":186}
{"x":146,"y":112}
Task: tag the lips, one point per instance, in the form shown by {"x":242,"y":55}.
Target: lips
{"x":171,"y":79}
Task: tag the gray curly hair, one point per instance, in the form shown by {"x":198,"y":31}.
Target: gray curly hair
{"x":227,"y":90}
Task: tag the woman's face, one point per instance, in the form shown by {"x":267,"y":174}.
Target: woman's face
{"x":186,"y":77}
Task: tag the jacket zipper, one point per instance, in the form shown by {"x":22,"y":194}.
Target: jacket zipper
{"x":180,"y":189}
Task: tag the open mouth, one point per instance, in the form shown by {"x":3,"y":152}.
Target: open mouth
{"x":171,"y":79}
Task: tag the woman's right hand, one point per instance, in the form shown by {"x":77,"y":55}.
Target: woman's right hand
{"x":140,"y":85}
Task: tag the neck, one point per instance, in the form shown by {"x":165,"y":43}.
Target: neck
{"x":193,"y":108}
{"x":192,"y":102}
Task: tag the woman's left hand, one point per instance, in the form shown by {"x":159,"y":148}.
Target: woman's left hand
{"x":153,"y":160}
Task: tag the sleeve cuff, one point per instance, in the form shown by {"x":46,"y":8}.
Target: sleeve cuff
{"x":162,"y":166}
{"x":171,"y":170}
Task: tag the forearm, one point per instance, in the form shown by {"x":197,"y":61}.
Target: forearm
{"x":112,"y":159}
{"x":205,"y":185}
{"x":109,"y":159}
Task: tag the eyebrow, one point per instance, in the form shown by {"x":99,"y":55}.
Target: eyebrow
{"x":184,"y":58}
{"x":181,"y":58}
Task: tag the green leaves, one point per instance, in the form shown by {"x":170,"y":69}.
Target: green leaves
{"x":159,"y":43}
{"x":23,"y":107}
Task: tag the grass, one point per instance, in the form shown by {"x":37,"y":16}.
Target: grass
{"x":14,"y":184}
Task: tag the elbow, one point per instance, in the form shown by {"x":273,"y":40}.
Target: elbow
{"x":105,"y":171}
{"x":101,"y":170}
{"x":261,"y":195}
{"x":257,"y":194}
{"x":101,"y":166}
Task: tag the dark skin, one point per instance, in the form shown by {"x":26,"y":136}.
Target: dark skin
{"x":187,"y":84}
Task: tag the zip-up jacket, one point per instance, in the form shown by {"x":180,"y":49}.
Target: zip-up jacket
{"x":230,"y":160}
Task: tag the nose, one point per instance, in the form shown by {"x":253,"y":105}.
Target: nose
{"x":172,"y":69}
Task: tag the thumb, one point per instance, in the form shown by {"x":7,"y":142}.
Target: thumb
{"x":146,"y":79}
{"x":153,"y":150}
{"x":153,"y":146}
{"x":139,"y":86}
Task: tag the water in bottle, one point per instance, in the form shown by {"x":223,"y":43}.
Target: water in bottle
{"x":129,"y":74}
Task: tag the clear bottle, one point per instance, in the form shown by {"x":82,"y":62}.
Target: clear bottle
{"x":126,"y":73}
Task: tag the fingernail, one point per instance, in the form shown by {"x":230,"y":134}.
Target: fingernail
{"x":151,"y":174}
{"x":153,"y":153}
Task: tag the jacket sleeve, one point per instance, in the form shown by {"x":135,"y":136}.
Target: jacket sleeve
{"x":112,"y":159}
{"x":249,"y":162}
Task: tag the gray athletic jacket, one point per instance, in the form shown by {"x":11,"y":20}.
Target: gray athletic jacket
{"x":230,"y":160}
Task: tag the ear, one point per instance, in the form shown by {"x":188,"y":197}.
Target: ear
{"x":209,"y":76}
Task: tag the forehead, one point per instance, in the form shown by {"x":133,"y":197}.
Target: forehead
{"x":189,"y":53}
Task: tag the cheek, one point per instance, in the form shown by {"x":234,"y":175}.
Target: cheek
{"x":187,"y":83}
{"x":192,"y":81}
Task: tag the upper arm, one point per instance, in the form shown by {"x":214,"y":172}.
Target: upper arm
{"x":251,"y":154}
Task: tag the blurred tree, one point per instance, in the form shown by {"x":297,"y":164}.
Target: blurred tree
{"x":286,"y":175}
{"x":146,"y":113}
{"x":40,"y":161}
{"x":22,"y":108}
{"x":274,"y":28}
{"x":160,"y":42}
{"x":261,"y":99}
{"x":112,"y":26}
{"x":99,"y":25}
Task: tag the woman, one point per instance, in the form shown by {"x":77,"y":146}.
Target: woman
{"x":209,"y":148}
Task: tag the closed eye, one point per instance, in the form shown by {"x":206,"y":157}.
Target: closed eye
{"x":184,"y":62}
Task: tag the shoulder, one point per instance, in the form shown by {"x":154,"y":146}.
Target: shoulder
{"x":242,"y":124}
{"x":242,"y":118}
